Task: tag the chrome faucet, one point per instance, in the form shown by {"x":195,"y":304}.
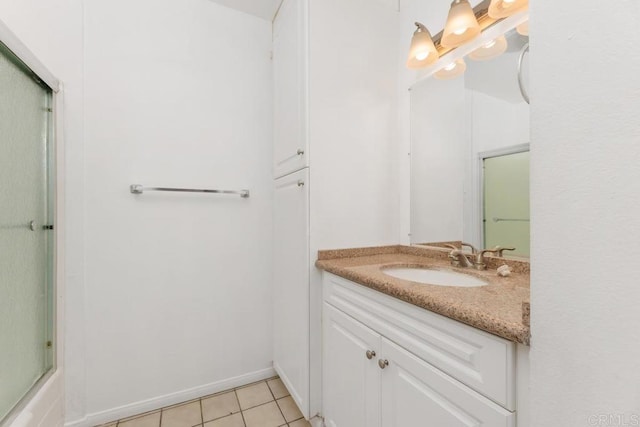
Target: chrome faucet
{"x":458,"y":258}
{"x":479,"y":263}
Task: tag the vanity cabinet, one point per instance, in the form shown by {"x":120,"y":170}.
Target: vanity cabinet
{"x":387,"y":363}
{"x":351,"y":382}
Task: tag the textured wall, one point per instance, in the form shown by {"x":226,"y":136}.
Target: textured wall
{"x":585,"y":183}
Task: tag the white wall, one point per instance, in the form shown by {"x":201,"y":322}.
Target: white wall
{"x":352,"y":125}
{"x":433,"y":15}
{"x":352,"y":136}
{"x":488,"y":113}
{"x":439,"y":148}
{"x":585,"y":182}
{"x":177,"y":285}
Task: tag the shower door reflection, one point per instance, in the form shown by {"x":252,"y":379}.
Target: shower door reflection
{"x":506,"y":202}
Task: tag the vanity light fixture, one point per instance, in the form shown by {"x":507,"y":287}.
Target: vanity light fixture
{"x":422,"y":52}
{"x":493,"y":49}
{"x":523,"y":29}
{"x":504,"y":8}
{"x":451,"y":71}
{"x":461,"y":25}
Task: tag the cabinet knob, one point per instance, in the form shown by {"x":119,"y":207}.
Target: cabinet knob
{"x":301,"y":183}
{"x":383,"y":363}
{"x":371,"y":354}
{"x":300,"y":152}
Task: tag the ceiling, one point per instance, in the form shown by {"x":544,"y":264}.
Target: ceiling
{"x":265,"y":9}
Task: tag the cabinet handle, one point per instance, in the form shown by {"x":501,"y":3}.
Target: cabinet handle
{"x":371,"y":354}
{"x":301,"y":183}
{"x":300,"y":152}
{"x":383,"y":363}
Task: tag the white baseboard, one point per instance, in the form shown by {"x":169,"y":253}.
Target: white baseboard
{"x":292,"y":390}
{"x":170,"y":399}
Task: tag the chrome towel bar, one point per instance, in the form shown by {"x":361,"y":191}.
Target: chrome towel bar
{"x":139,"y":189}
{"x":509,"y":219}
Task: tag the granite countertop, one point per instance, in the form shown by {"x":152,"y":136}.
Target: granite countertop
{"x":501,"y":307}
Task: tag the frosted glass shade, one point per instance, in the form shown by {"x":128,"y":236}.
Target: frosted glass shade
{"x":503,"y":8}
{"x":523,"y":29}
{"x":490,"y":50}
{"x":452,"y":70}
{"x":461,"y":26}
{"x":422,"y":51}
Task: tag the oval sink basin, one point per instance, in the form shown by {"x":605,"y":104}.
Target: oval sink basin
{"x":434,"y":277}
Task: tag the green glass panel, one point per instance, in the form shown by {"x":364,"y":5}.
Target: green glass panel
{"x":506,"y":202}
{"x":26,"y":305}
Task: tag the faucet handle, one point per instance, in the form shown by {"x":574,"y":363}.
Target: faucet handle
{"x":479,"y":263}
{"x":499,"y":249}
{"x":453,"y":255}
{"x":484,"y":251}
{"x":469,"y":245}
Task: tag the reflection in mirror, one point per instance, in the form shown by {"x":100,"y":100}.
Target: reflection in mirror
{"x":469,"y":155}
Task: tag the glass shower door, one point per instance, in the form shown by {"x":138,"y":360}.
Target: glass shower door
{"x":506,"y":202}
{"x":26,"y":242}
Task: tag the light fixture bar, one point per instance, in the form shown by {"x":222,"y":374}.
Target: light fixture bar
{"x":481,"y":11}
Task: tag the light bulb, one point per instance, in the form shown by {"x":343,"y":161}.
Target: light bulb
{"x":523,"y":29}
{"x":451,"y":70}
{"x":504,"y":8}
{"x":490,"y":44}
{"x":422,"y":51}
{"x":450,"y":66}
{"x":493,"y":49}
{"x":462,"y":25}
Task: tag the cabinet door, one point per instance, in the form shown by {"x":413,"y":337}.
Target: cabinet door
{"x":351,"y":380}
{"x":414,"y":393}
{"x":290,"y":151}
{"x":291,"y":285}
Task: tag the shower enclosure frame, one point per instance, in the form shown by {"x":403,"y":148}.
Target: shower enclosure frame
{"x":44,"y":402}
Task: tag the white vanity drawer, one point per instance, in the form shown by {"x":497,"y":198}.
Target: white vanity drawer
{"x":482,"y":361}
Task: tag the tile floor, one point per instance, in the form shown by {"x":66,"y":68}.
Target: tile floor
{"x":262,"y":404}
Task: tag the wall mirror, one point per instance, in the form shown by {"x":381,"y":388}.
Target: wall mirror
{"x":470,"y":153}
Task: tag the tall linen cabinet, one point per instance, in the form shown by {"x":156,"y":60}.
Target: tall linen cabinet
{"x":334,"y":82}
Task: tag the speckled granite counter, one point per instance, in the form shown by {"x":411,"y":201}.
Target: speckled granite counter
{"x":501,"y":307}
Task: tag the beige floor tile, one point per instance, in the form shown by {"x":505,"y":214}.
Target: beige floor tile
{"x":254,"y":395}
{"x":234,"y":420}
{"x":267,"y":415}
{"x":219,"y":406}
{"x":182,"y":416}
{"x":150,"y":420}
{"x":277,"y":388}
{"x":300,"y":423}
{"x":289,"y":409}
